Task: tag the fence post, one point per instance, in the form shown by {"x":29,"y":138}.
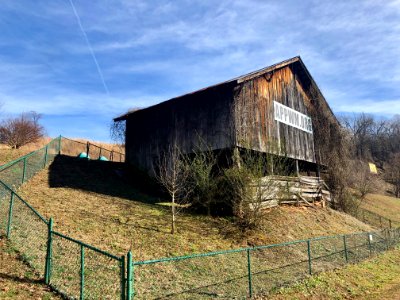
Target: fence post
{"x":345,"y":249}
{"x":130,"y":290}
{"x":49,"y":252}
{"x":249,"y":273}
{"x":82,"y":273}
{"x":123,"y":278}
{"x":24,"y":171}
{"x":387,"y":238}
{"x":390,"y":223}
{"x":45,"y":156}
{"x":369,"y":243}
{"x":309,"y":257}
{"x":10,"y":212}
{"x":100,"y":152}
{"x":59,"y":145}
{"x":380,"y":220}
{"x":87,"y":149}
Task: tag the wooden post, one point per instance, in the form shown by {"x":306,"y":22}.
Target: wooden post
{"x":297,"y":168}
{"x":87,"y":149}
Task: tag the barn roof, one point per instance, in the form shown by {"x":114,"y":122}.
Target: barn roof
{"x":296,"y":62}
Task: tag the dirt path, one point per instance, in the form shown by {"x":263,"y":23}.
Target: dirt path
{"x":17,"y":280}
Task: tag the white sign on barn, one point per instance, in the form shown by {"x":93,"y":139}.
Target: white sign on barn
{"x":292,"y":117}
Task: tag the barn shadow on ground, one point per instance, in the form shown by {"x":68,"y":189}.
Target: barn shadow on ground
{"x":103,"y":177}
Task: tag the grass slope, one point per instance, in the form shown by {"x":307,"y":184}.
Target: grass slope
{"x":385,"y":206}
{"x":90,"y":202}
{"x":377,"y":278}
{"x":17,"y":281}
{"x":7,"y":154}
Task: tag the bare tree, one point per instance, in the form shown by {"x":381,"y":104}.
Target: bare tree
{"x":118,"y":131}
{"x":173,"y":173}
{"x":393,"y":173}
{"x":361,"y":179}
{"x":360,"y":127}
{"x":248,"y":189}
{"x":118,"y":128}
{"x":22,"y":130}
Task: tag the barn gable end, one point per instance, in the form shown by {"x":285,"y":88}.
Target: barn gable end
{"x":235,"y":113}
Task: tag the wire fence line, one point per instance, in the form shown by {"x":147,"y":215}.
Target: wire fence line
{"x":22,"y":169}
{"x":93,"y":151}
{"x":73,"y":268}
{"x":241,"y":273}
{"x":80,"y":271}
{"x":374,"y":219}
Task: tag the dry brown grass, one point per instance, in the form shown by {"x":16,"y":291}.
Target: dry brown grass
{"x":108,"y":146}
{"x":100,"y":209}
{"x":17,"y":280}
{"x":386,"y":206}
{"x":7,"y":154}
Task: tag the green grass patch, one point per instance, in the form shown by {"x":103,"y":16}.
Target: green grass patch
{"x":377,"y":278}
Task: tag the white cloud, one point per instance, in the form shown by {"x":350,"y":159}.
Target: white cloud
{"x":150,"y":51}
{"x":380,"y":107}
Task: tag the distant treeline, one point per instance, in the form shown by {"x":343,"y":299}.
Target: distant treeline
{"x":373,"y":139}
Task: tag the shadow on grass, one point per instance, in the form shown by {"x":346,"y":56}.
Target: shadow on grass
{"x":20,"y":279}
{"x":103,"y":177}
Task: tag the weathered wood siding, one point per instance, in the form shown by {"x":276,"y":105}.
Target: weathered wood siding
{"x":193,"y":121}
{"x":255,"y":126}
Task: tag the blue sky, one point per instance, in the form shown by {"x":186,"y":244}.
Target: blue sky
{"x":150,"y":51}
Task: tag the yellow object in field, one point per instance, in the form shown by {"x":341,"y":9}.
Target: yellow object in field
{"x":372,"y":168}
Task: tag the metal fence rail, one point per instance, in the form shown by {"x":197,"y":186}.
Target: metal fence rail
{"x":72,"y":147}
{"x":78,"y":270}
{"x":24,"y":168}
{"x":73,"y":268}
{"x":374,"y":219}
{"x":252,"y":271}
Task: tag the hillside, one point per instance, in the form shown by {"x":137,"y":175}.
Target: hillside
{"x":17,"y":281}
{"x":89,"y":201}
{"x":376,"y":278}
{"x":386,"y":206}
{"x":7,"y":154}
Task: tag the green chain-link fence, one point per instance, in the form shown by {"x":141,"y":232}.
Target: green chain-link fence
{"x":374,"y":219}
{"x":78,"y":270}
{"x":72,"y":147}
{"x":71,"y":267}
{"x":237,"y":274}
{"x":22,"y":169}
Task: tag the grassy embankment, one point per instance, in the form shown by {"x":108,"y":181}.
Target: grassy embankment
{"x":17,"y":281}
{"x":377,"y":278}
{"x":383,"y":205}
{"x":90,"y":202}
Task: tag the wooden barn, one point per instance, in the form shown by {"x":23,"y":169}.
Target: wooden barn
{"x":272,"y":110}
